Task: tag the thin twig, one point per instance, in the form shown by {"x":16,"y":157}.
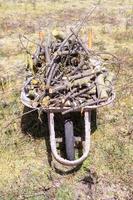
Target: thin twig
{"x":27,"y":51}
{"x":26,"y":113}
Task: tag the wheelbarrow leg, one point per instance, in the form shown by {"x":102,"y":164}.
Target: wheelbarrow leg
{"x":87,"y":119}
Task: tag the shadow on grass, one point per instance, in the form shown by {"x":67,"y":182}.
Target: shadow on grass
{"x":37,"y":126}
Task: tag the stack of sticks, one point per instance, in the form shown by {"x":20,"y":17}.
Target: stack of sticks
{"x":67,"y":74}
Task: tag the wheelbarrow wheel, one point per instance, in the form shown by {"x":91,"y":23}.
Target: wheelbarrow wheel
{"x":69,"y":140}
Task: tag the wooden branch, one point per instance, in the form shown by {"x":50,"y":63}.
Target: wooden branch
{"x":101,"y":88}
{"x":85,"y":74}
{"x":47,"y":55}
{"x":89,"y":103}
{"x":77,"y":68}
{"x":87,"y":51}
{"x":51,"y":68}
{"x":83,"y":91}
{"x":69,"y":94}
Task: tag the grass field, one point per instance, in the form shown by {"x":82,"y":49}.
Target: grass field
{"x":26,"y":171}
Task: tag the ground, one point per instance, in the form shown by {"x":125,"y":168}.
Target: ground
{"x":26,"y":170}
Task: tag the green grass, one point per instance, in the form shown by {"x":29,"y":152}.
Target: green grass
{"x":64,"y":192}
{"x":25,"y":172}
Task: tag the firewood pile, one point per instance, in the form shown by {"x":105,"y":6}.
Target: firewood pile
{"x":67,"y":74}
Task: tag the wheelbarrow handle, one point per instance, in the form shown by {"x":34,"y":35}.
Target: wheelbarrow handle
{"x":87,"y":119}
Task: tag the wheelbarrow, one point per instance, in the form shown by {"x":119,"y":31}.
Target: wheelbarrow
{"x":69,"y":137}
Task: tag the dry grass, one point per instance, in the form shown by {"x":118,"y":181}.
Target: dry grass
{"x":25,"y":172}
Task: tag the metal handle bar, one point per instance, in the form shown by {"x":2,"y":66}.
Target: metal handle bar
{"x":87,"y":119}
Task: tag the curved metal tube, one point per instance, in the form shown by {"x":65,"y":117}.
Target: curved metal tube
{"x":87,"y":118}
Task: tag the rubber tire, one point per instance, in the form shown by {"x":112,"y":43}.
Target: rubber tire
{"x":69,"y":140}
